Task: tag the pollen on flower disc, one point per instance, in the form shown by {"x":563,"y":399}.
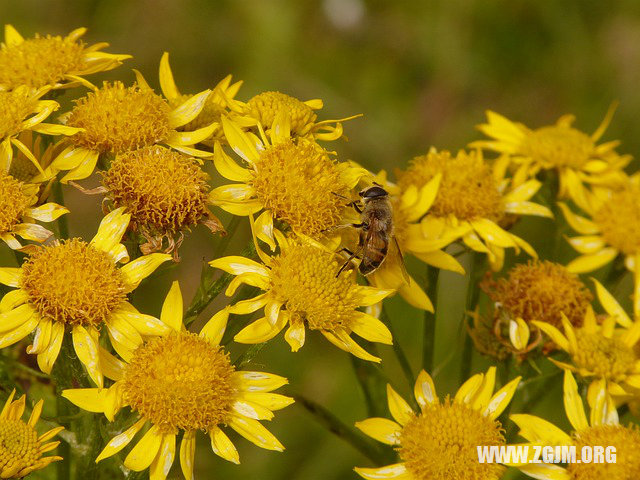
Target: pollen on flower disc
{"x":558,"y":146}
{"x":618,"y":220}
{"x":540,"y":290}
{"x":72,"y":282}
{"x":626,"y":441}
{"x":608,"y":358}
{"x":39,"y":61}
{"x":301,"y":184}
{"x":19,"y":447}
{"x":15,"y":107}
{"x":118,"y":118}
{"x":161,"y":188}
{"x":441,"y":443}
{"x":304,"y":277}
{"x":13,"y":202}
{"x":468,"y":189}
{"x":265,"y":106}
{"x":181,"y":381}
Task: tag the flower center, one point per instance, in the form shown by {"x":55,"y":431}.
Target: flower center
{"x":118,"y":118}
{"x":558,"y":146}
{"x":540,"y":290}
{"x":440,"y":443}
{"x":467,"y":190}
{"x":163,"y":189}
{"x":180,"y":382}
{"x":15,"y":107}
{"x":13,"y":202}
{"x":627,"y":443}
{"x":610,"y":358}
{"x":618,"y":220}
{"x":301,"y":185}
{"x":73,"y":283}
{"x":39,"y":61}
{"x":265,"y":106}
{"x":19,"y":446}
{"x":304,"y":278}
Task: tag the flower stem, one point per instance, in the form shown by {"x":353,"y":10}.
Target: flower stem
{"x":225,"y":240}
{"x":473,"y":292}
{"x":398,"y":350}
{"x":340,"y":429}
{"x":372,"y":382}
{"x":429,"y":337}
{"x":63,"y":222}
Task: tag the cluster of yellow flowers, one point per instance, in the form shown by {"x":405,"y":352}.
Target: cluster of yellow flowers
{"x":157,"y":380}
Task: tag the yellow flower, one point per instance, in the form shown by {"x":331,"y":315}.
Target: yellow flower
{"x":217,"y":104}
{"x":295,"y":182}
{"x":183,"y":381}
{"x":164,"y":191}
{"x":601,"y":429}
{"x":22,"y":168}
{"x":116,"y":119}
{"x":21,"y":448}
{"x":601,"y":351}
{"x":472,"y":199}
{"x":576,"y":157}
{"x":302,"y":290}
{"x":265,"y":108}
{"x":22,"y":111}
{"x":611,"y":230}
{"x":76,"y":285}
{"x":440,"y":442}
{"x":18,"y":212}
{"x":55,"y":62}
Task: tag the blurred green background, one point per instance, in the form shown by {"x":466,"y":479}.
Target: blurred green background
{"x":422,"y":73}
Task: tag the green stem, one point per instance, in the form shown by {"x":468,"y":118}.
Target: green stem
{"x":429,"y":336}
{"x":224,"y":241}
{"x":398,"y":350}
{"x":63,"y":222}
{"x":63,"y":467}
{"x":340,"y":429}
{"x":372,"y":382}
{"x":473,"y":292}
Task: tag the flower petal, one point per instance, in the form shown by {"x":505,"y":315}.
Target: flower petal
{"x":611,"y":305}
{"x":222,"y":446}
{"x":537,"y":430}
{"x":171,"y":314}
{"x":111,"y":230}
{"x":239,"y":141}
{"x":259,"y":381}
{"x":47,"y":358}
{"x":259,"y":331}
{"x":382,"y":429}
{"x":589,"y":263}
{"x":187,"y":454}
{"x":573,"y":403}
{"x":47,"y":212}
{"x":140,"y":268}
{"x":398,"y":407}
{"x":236,"y":265}
{"x":118,"y":442}
{"x":188,"y":110}
{"x":159,"y":468}
{"x":501,"y":399}
{"x":144,"y":452}
{"x":295,"y":335}
{"x":10,"y":276}
{"x":397,"y":471}
{"x":214,"y":329}
{"x":86,"y":348}
{"x":256,"y":433}
{"x":370,"y":328}
{"x":424,"y":390}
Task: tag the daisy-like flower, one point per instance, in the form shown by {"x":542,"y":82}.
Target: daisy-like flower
{"x":472,"y":199}
{"x":611,"y":229}
{"x":116,"y":119}
{"x":22,"y":167}
{"x":576,"y":156}
{"x":164,"y":191}
{"x":602,"y":428}
{"x":302,"y":290}
{"x":55,"y":62}
{"x":22,"y":448}
{"x":296,"y":182}
{"x":74,"y":285}
{"x":18,"y":212}
{"x":535,"y":291}
{"x":23,"y":110}
{"x":440,"y":441}
{"x":217,"y":104}
{"x":601,"y":351}
{"x":264,"y":109}
{"x":184,"y":382}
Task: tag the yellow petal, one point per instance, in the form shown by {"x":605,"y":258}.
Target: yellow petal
{"x":527,"y":208}
{"x":89,"y":399}
{"x":483,"y":396}
{"x":222,"y":446}
{"x":191,"y":138}
{"x":145,"y":451}
{"x":603,"y":410}
{"x":343,"y":341}
{"x":140,"y":268}
{"x":554,"y":334}
{"x":248,"y":409}
{"x":397,"y":471}
{"x":573,"y":403}
{"x":260,"y":381}
{"x":12,"y":299}
{"x":501,"y":399}
{"x":86,"y":348}
{"x":118,"y":442}
{"x":214,"y":329}
{"x":111,"y":230}
{"x":188,"y":110}
{"x":146,"y":325}
{"x":256,"y":433}
{"x":112,"y":367}
{"x":382,"y":429}
{"x":370,"y":328}
{"x":159,"y":468}
{"x":611,"y":305}
{"x":441,"y":260}
{"x":84,"y":169}
{"x":589,"y":263}
{"x":424,"y":390}
{"x":240,"y":142}
{"x":167,"y":84}
{"x":469,"y":389}
{"x":259,"y":331}
{"x":47,"y":358}
{"x":579,"y":224}
{"x":13,"y":336}
{"x":492,"y":233}
{"x":11,"y":36}
{"x":13,"y":319}
{"x":47,"y":212}
{"x":537,"y":430}
{"x":187,"y":454}
{"x":243,"y":306}
{"x":32,"y":231}
{"x":171,"y":314}
{"x":10,"y":276}
{"x":42,"y":337}
{"x":518,"y":333}
{"x":228,"y":168}
{"x":295,"y":335}
{"x":236,"y":265}
{"x":398,"y":407}
{"x":523,"y":191}
{"x":587,"y":244}
{"x":272,"y":401}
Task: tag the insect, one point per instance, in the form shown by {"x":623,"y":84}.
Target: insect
{"x":376,"y":230}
